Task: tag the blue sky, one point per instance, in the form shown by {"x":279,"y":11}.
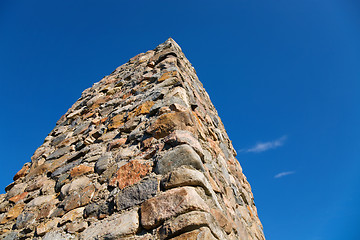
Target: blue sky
{"x":284,"y":76}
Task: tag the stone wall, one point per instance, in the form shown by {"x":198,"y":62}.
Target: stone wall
{"x":142,"y":154}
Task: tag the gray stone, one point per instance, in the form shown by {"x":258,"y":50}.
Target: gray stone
{"x":81,"y":127}
{"x":61,"y":181}
{"x":102,"y":163}
{"x":99,"y":209}
{"x":153,"y":96}
{"x":58,"y":139}
{"x":138,"y":132}
{"x":94,"y":150}
{"x":58,"y":153}
{"x":76,"y":184}
{"x":16,"y":190}
{"x":166,"y":103}
{"x":176,"y":157}
{"x":40,"y":200}
{"x":11,"y":236}
{"x":113,"y":227}
{"x":24,"y":219}
{"x":65,"y":168}
{"x":238,"y":196}
{"x":58,"y":130}
{"x":57,"y":235}
{"x":136,"y":194}
{"x":79,"y":145}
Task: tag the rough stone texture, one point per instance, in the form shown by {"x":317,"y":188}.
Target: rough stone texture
{"x":178,"y":156}
{"x":136,"y":194}
{"x":113,"y":227}
{"x":141,"y":155}
{"x":170,"y":204}
{"x":131,"y":173}
{"x":189,"y":221}
{"x":198,"y":234}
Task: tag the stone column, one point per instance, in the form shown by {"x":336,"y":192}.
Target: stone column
{"x":142,"y":154}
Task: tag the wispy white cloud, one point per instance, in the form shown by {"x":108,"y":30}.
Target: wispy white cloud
{"x":264,"y":146}
{"x":283,"y":174}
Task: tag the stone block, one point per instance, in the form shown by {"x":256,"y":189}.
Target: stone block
{"x":185,"y":137}
{"x":13,"y":235}
{"x":169,"y":122}
{"x":99,"y":209}
{"x":19,"y":197}
{"x":45,"y":227}
{"x":203,"y":233}
{"x":113,"y":227}
{"x":46,"y":209}
{"x":102,"y":163}
{"x":116,"y":121}
{"x":191,"y":220}
{"x":222,"y":220}
{"x":142,"y":109}
{"x":136,"y":194}
{"x":72,"y":215}
{"x":81,"y":170}
{"x":176,"y":157}
{"x":16,"y":190}
{"x":186,"y":177}
{"x":131,"y":173}
{"x":24,"y":220}
{"x":23,"y":171}
{"x":75,"y":227}
{"x":13,"y":213}
{"x":59,"y":152}
{"x":116,"y":143}
{"x":169,"y":204}
{"x":168,"y":75}
{"x":40,"y":200}
{"x":78,"y":198}
{"x":57,"y":235}
{"x":64,"y":168}
{"x":76,"y":184}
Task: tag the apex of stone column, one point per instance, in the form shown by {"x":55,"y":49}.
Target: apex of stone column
{"x":142,"y":154}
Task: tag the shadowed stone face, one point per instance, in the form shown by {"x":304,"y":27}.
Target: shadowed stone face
{"x":141,"y":155}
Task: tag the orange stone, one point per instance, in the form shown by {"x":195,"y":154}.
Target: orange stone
{"x":142,"y":109}
{"x":116,"y":121}
{"x":37,"y":170}
{"x":23,"y":171}
{"x":169,"y":122}
{"x":81,"y":170}
{"x":167,"y":75}
{"x":13,"y":213}
{"x":88,"y":115}
{"x":222,"y":220}
{"x":125,"y":96}
{"x":214,"y":146}
{"x":147,"y":142}
{"x":79,"y":199}
{"x":116,"y":143}
{"x":131,"y":173}
{"x":98,"y":102}
{"x":251,"y":213}
{"x":19,"y":197}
